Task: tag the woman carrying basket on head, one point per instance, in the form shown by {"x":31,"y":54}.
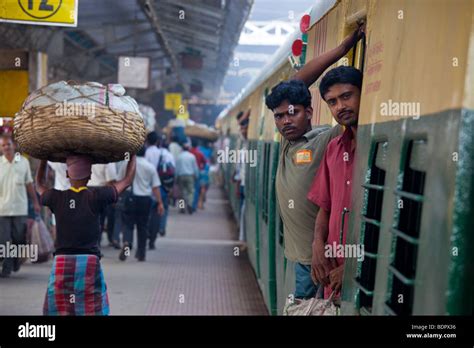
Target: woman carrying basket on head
{"x":76,"y":285}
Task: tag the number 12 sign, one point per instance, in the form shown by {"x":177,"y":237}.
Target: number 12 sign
{"x":40,"y":12}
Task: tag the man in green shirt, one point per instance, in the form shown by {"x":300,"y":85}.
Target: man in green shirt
{"x":302,"y":150}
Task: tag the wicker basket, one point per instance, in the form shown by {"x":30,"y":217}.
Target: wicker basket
{"x":201,"y":132}
{"x":197,"y":131}
{"x":107,"y":137}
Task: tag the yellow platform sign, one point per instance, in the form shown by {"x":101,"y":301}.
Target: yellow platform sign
{"x":40,"y":12}
{"x":173,"y":101}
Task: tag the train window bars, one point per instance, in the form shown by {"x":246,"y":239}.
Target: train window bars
{"x":370,"y":227}
{"x":406,"y":229}
{"x":265,"y":180}
{"x":252,"y":175}
{"x":356,"y":56}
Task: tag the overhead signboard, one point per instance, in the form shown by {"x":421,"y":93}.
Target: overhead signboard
{"x":40,"y":12}
{"x":134,"y":72}
{"x":173,"y":101}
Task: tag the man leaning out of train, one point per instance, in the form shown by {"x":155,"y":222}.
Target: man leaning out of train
{"x":302,"y":149}
{"x":332,"y":186}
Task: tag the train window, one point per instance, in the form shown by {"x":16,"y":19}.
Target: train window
{"x":252,"y":175}
{"x":356,"y":56}
{"x":370,"y":229}
{"x":280,"y":233}
{"x":249,"y":178}
{"x":248,"y":175}
{"x":265,"y":180}
{"x":406,"y":229}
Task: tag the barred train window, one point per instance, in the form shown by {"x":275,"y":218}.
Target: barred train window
{"x":406,"y":229}
{"x":370,"y":229}
{"x":265,"y":180}
{"x":252,"y":175}
{"x":280,"y":233}
{"x":356,"y":56}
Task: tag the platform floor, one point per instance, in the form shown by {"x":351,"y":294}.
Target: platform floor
{"x":193,"y":271}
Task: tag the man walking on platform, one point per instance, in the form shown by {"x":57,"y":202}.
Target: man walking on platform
{"x":187,"y":172}
{"x":15,"y":182}
{"x":160,"y":158}
{"x":137,"y":206}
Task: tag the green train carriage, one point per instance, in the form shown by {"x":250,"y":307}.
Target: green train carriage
{"x":412,"y":200}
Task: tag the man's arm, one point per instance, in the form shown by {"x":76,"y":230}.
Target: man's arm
{"x":121,"y":185}
{"x":31,"y":192}
{"x":41,"y":178}
{"x":312,"y":70}
{"x":320,"y":264}
{"x":196,"y":168}
{"x":157,"y":193}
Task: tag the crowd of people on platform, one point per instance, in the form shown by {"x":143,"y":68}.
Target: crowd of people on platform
{"x":165,"y":174}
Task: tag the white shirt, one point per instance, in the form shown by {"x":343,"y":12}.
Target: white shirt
{"x":61,"y":182}
{"x":102,"y":174}
{"x":175,"y":149}
{"x":153,"y":154}
{"x":186,"y":164}
{"x":13,"y":179}
{"x":145,"y":179}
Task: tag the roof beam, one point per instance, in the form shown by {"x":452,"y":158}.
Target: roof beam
{"x":148,"y":8}
{"x":188,"y":5}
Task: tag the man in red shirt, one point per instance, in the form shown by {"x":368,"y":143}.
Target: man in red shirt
{"x":331,"y":189}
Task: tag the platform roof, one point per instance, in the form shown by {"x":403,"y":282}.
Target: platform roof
{"x":163,"y":30}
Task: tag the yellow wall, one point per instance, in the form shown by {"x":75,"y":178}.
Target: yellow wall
{"x":407,"y":60}
{"x":415,"y":55}
{"x":13,"y":91}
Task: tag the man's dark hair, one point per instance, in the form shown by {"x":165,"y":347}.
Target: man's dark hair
{"x":141,"y":152}
{"x":152,"y":138}
{"x":239,"y":115}
{"x":295,"y":91}
{"x":341,"y":74}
